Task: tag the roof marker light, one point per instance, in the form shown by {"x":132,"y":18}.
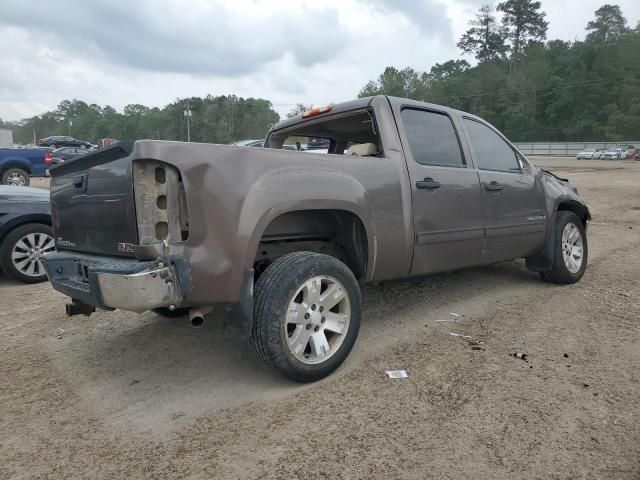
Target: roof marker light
{"x":317,"y":111}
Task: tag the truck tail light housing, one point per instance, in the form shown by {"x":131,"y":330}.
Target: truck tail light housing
{"x":161,"y":206}
{"x":48,"y":158}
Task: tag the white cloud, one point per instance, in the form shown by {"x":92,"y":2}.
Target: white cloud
{"x":151,"y":52}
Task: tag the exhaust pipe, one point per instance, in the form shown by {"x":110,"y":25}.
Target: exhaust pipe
{"x":196,"y":316}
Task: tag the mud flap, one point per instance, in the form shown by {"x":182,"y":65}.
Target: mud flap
{"x":543,"y":260}
{"x":239,"y":316}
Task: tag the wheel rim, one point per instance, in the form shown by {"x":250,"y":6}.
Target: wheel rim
{"x":27,"y":253}
{"x":317,"y":320}
{"x":572,"y":248}
{"x":16,"y":178}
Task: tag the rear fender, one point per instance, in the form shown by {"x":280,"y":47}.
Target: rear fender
{"x":282,"y":191}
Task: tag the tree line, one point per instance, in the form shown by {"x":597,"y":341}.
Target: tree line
{"x":530,"y":88}
{"x":220,"y":119}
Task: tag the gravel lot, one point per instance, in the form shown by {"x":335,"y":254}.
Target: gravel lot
{"x":121,"y":395}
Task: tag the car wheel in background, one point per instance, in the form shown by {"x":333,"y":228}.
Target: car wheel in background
{"x":570,"y":250}
{"x":22,"y":249}
{"x":15,"y":176}
{"x":306,"y":315}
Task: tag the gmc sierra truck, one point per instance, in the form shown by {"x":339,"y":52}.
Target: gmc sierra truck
{"x":281,"y":241}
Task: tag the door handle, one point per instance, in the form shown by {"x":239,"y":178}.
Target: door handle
{"x":80,"y":183}
{"x":493,"y":187}
{"x":428,"y":184}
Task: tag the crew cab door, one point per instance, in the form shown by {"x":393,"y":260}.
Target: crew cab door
{"x":446,"y":196}
{"x":514,"y":199}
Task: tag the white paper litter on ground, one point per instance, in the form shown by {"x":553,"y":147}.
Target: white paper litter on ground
{"x":396,"y":374}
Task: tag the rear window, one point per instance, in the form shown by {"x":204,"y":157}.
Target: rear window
{"x":432,"y":138}
{"x":331,"y":135}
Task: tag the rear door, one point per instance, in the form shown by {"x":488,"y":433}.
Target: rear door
{"x":514,"y":199}
{"x":447,"y":202}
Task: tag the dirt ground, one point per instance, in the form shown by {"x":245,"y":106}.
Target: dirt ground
{"x":121,"y":395}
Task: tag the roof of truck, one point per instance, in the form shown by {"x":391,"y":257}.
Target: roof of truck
{"x":361,"y":103}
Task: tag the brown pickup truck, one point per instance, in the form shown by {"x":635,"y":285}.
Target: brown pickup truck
{"x":281,"y":241}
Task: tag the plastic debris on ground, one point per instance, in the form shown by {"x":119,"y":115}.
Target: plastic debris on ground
{"x":396,"y":374}
{"x":454,"y":318}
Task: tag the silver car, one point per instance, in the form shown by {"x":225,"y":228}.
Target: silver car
{"x":589,"y":153}
{"x":614,"y":154}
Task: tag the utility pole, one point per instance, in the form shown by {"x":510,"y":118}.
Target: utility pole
{"x":188,"y":114}
{"x":70,"y":123}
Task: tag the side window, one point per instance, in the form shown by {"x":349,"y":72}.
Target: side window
{"x":492,"y":152}
{"x":432,"y":138}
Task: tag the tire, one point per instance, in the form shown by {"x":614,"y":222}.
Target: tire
{"x":29,"y":242}
{"x":563,"y":270}
{"x":165,"y":312}
{"x":16,"y":176}
{"x":290,"y":320}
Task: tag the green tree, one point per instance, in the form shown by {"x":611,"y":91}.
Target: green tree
{"x":524,"y":22}
{"x":298,"y":109}
{"x":609,"y":24}
{"x":405,"y":83}
{"x":485,"y":39}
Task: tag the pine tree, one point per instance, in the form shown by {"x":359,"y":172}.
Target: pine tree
{"x":609,"y":24}
{"x":525,"y":23}
{"x":485,"y":39}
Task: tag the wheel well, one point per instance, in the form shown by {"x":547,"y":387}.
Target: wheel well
{"x":21,"y":166}
{"x":338,"y":233}
{"x":24,"y":220}
{"x":580,"y":210}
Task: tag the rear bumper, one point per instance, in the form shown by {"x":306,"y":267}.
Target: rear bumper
{"x":111,"y":283}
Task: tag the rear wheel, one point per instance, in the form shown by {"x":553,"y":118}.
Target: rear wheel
{"x":22,"y":250}
{"x":307,"y":315}
{"x":570,"y":250}
{"x":15,"y":176}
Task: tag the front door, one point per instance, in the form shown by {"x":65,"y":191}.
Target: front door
{"x":447,"y":200}
{"x":514,"y":200}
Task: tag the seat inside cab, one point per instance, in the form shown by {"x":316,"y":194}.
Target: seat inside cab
{"x":348,"y":133}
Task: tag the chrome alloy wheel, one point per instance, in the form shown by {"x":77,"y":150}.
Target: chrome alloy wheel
{"x":317,"y":319}
{"x":27,"y":253}
{"x":16,"y":179}
{"x":572,"y":248}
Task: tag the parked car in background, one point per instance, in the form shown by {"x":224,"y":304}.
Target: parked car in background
{"x":25,"y":232}
{"x":282,"y":242}
{"x":60,"y":155}
{"x":318,"y":142}
{"x":614,"y":154}
{"x":63,"y":141}
{"x":249,"y":143}
{"x":636,"y":156}
{"x":17,"y":165}
{"x":627,"y":150}
{"x":589,"y":153}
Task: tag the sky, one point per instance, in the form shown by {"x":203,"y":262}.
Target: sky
{"x":151,"y":52}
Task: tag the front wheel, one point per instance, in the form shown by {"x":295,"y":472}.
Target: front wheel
{"x":570,"y":250}
{"x":307,"y":315}
{"x":22,"y":250}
